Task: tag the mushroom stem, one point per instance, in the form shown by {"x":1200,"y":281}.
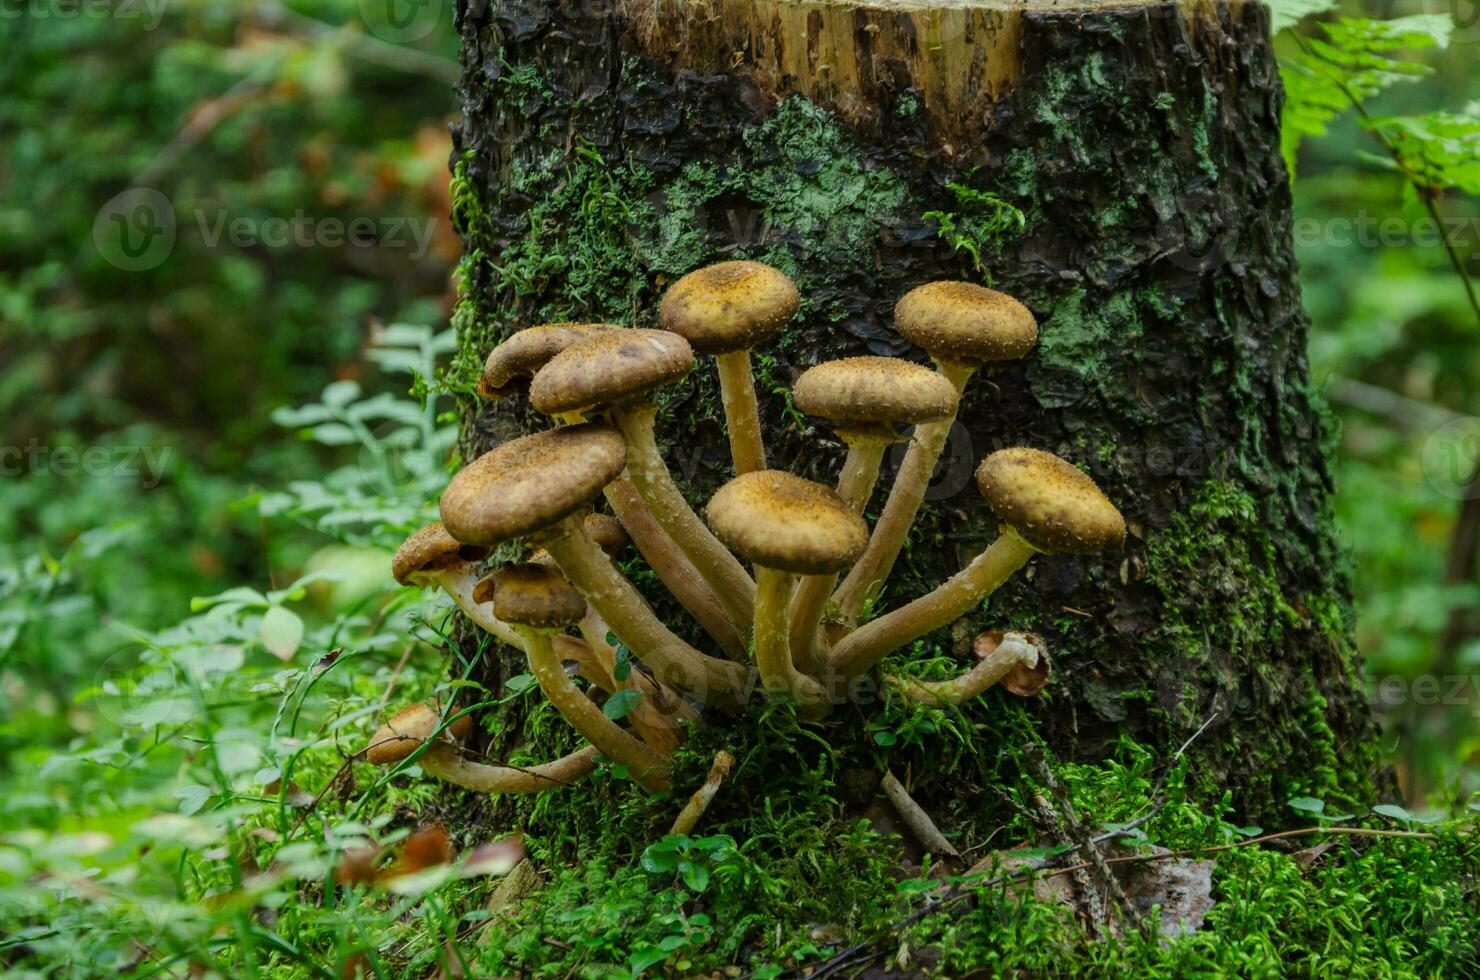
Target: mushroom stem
{"x":458,"y":581}
{"x":444,"y":762}
{"x":957,"y":596}
{"x":721,"y":571}
{"x":689,"y":816}
{"x":855,"y":485}
{"x":737,"y":391}
{"x":673,"y":661}
{"x":1013,"y":651}
{"x":676,"y":572}
{"x":773,"y":644}
{"x":656,"y":717}
{"x":872,"y":569}
{"x":861,"y":471}
{"x":648,"y":768}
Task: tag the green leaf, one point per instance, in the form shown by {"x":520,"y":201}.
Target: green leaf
{"x":1308,"y":804}
{"x":240,"y":596}
{"x":620,"y":704}
{"x":520,"y":683}
{"x":659,"y":858}
{"x":281,"y":632}
{"x":340,"y":393}
{"x":695,"y":876}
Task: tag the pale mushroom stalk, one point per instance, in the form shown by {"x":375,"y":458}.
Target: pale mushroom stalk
{"x":458,"y":582}
{"x":688,"y":817}
{"x":773,"y":641}
{"x":742,"y":415}
{"x":421,"y":727}
{"x":657,"y":716}
{"x":861,"y":649}
{"x":868,"y":576}
{"x":721,"y":571}
{"x":648,"y":768}
{"x":1015,"y":650}
{"x":672,"y":567}
{"x":444,"y":762}
{"x":673,"y":661}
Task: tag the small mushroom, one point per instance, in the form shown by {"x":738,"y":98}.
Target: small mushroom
{"x":1017,"y":661}
{"x":608,"y":533}
{"x":538,"y":486}
{"x":1046,"y":505}
{"x":786,"y":526}
{"x":433,"y":557}
{"x":727,"y":310}
{"x":512,"y":364}
{"x":418,"y":725}
{"x":865,"y":398}
{"x":962,"y":326}
{"x":537,"y":600}
{"x":614,"y":372}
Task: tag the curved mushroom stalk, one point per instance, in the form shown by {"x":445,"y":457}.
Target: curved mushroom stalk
{"x":647,"y":766}
{"x":725,"y":576}
{"x":417,"y":725}
{"x":659,"y":716}
{"x":674,"y":662}
{"x":867,"y":577}
{"x":673,"y":567}
{"x":773,"y":657}
{"x":444,"y":762}
{"x":1002,"y":654}
{"x":688,"y":817}
{"x":1046,"y":505}
{"x":862,"y":649}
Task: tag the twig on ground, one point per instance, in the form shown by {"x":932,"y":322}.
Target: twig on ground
{"x":916,"y":819}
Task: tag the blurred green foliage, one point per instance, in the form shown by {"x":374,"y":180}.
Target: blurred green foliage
{"x":227,"y":417}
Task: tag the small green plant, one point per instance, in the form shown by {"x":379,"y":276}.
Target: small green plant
{"x":978,"y":224}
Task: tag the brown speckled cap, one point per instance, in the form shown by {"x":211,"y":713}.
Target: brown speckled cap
{"x":781,"y":521}
{"x":430,"y":550}
{"x":729,"y":307}
{"x":1051,"y":504}
{"x":405,"y":730}
{"x":531,"y":483}
{"x":965,"y":323}
{"x":512,"y":364}
{"x":609,"y":368}
{"x":535,"y":594}
{"x":872,"y":391}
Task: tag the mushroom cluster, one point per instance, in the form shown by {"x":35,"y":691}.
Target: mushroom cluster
{"x":760,"y":573}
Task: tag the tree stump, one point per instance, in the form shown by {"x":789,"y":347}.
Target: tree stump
{"x":1114,"y":166}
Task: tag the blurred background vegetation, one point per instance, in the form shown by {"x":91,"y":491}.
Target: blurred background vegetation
{"x":169,"y":430}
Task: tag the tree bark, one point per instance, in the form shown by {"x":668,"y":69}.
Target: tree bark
{"x":866,"y":147}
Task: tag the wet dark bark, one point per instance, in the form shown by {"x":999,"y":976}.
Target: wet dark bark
{"x":1142,"y":150}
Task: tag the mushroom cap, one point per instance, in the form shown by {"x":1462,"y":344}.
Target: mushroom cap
{"x":512,"y":364}
{"x":608,"y":533}
{"x":874,"y":390}
{"x":781,"y":521}
{"x":405,"y":730}
{"x":731,"y":306}
{"x":965,"y":323}
{"x":1051,"y":504}
{"x":431,"y":549}
{"x":536,"y":594}
{"x":1022,"y":680}
{"x":610,"y":367}
{"x":531,"y":483}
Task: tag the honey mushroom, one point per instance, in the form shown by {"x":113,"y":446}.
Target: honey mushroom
{"x":418,"y":725}
{"x":727,"y":310}
{"x":1045,"y":504}
{"x":537,"y":487}
{"x":865,"y":398}
{"x":961,"y":326}
{"x":786,"y":526}
{"x":613,"y":373}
